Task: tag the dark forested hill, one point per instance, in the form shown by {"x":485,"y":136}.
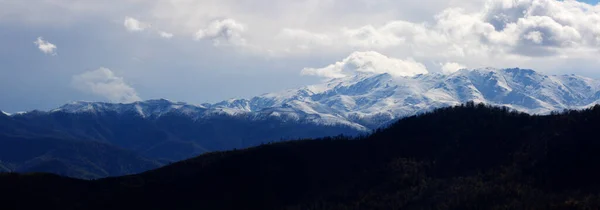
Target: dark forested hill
{"x":466,"y":157}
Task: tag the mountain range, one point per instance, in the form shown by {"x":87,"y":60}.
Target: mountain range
{"x":367,"y":101}
{"x":466,"y":157}
{"x":156,"y":132}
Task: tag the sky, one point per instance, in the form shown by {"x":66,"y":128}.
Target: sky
{"x":591,"y":1}
{"x":57,"y":51}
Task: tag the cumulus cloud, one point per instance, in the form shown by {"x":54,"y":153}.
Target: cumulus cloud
{"x":538,"y":27}
{"x":103,"y":82}
{"x":369,"y":62}
{"x":220,"y":31}
{"x":451,"y":67}
{"x":165,"y":35}
{"x":474,"y":32}
{"x":134,"y":25}
{"x":527,"y":28}
{"x":45,"y":46}
{"x":446,"y":30}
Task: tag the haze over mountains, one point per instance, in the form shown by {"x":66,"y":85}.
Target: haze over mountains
{"x":154,"y":132}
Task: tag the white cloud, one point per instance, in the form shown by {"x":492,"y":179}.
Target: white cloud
{"x":165,"y":35}
{"x":451,"y":67}
{"x":442,"y":30}
{"x":535,"y":37}
{"x":303,"y":40}
{"x":369,"y":62}
{"x":45,"y":46}
{"x":472,"y":32}
{"x":370,"y":37}
{"x":103,"y":82}
{"x":134,"y":25}
{"x":548,"y":27}
{"x":225,"y":30}
{"x":505,"y":30}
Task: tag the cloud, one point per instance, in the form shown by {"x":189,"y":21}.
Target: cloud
{"x":223,"y":31}
{"x":471,"y":32}
{"x":371,"y":37}
{"x":539,"y":27}
{"x":134,"y":25}
{"x":451,"y":67}
{"x":45,"y":46}
{"x":103,"y":82}
{"x":535,"y":36}
{"x":444,"y":30}
{"x":165,"y":35}
{"x":304,"y":40}
{"x":505,"y":29}
{"x":369,"y":62}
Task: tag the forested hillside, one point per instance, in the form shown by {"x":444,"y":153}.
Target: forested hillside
{"x":465,"y":157}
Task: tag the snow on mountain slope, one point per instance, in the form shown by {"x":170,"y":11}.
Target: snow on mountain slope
{"x":367,"y":100}
{"x":374,"y":100}
{"x":150,"y":108}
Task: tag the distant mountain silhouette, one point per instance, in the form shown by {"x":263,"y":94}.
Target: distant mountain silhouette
{"x":83,"y":159}
{"x":465,"y":157}
{"x":96,"y":145}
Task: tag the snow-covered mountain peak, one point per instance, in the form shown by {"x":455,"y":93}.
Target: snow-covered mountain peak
{"x":373,"y":99}
{"x":149,"y":108}
{"x":159,"y":102}
{"x":80,"y":106}
{"x":366,"y":101}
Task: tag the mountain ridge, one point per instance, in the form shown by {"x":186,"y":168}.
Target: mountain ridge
{"x":369,"y":101}
{"x":164,"y":131}
{"x":470,"y":156}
